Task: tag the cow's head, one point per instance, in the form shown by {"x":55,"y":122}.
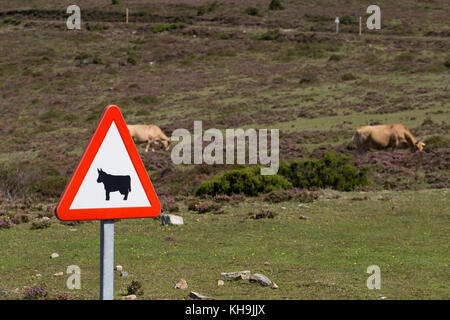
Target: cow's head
{"x":418,"y":146}
{"x":101,"y":175}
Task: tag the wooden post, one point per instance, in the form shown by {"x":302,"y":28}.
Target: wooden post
{"x":126,"y":15}
{"x":360,"y":25}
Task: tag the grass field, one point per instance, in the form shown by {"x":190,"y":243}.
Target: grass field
{"x":323,"y":257}
{"x":185,"y":60}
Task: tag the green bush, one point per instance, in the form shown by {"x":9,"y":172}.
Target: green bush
{"x":436,"y":142}
{"x":276,"y":5}
{"x":247,"y":180}
{"x":97,"y":60}
{"x":273,"y":34}
{"x":447,"y":62}
{"x":50,"y":187}
{"x":210,"y":7}
{"x":332,"y":171}
{"x":347,"y":19}
{"x":253,"y":11}
{"x":114,"y":2}
{"x":168,"y":26}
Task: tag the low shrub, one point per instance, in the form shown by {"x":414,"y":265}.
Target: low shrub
{"x":206,"y":8}
{"x":50,"y":187}
{"x":35,"y":292}
{"x":299,"y":195}
{"x":307,"y":78}
{"x":275,"y":5}
{"x":332,"y":171}
{"x":277,"y":196}
{"x":5,"y":222}
{"x":62,"y":296}
{"x":168,"y":26}
{"x":447,"y":62}
{"x":263,"y":214}
{"x":273,"y":34}
{"x":41,"y":223}
{"x":436,"y":142}
{"x":207,"y":206}
{"x":21,"y":218}
{"x":348,"y":19}
{"x":97,"y":60}
{"x":135,"y":287}
{"x":11,"y":21}
{"x":246,"y":180}
{"x":348,"y":77}
{"x":253,"y":11}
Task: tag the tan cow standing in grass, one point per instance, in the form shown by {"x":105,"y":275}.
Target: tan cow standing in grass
{"x":148,"y":133}
{"x":385,"y":136}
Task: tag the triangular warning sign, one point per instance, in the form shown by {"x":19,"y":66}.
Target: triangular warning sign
{"x":110,"y":181}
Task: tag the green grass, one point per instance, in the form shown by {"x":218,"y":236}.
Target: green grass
{"x":341,"y":238}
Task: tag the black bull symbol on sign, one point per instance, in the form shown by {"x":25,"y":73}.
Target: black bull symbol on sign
{"x":114,"y":183}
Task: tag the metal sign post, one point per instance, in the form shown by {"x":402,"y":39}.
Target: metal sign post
{"x":337,"y":24}
{"x":106,"y":259}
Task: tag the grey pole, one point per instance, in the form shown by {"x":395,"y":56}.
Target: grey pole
{"x":337,"y":24}
{"x":106,"y":259}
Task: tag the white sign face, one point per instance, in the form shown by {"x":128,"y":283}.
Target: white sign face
{"x":112,"y":180}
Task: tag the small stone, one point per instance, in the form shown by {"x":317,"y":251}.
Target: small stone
{"x":220,"y":283}
{"x":382,"y":298}
{"x":167,"y":219}
{"x":267,"y":263}
{"x":54,"y":255}
{"x":244,"y":275}
{"x":119,"y":268}
{"x":59,"y":274}
{"x":181,"y":284}
{"x":303,"y":217}
{"x":274,"y":285}
{"x":38,"y":275}
{"x":124,"y":274}
{"x":130,"y":297}
{"x":72,"y":229}
{"x":198,"y":296}
{"x":261,"y":279}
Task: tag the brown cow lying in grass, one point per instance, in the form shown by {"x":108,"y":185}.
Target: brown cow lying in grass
{"x":385,"y":136}
{"x":148,"y":133}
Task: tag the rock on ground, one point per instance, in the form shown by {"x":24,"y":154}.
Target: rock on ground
{"x":262,"y":280}
{"x":198,"y":296}
{"x":181,"y":284}
{"x":167,"y":219}
{"x":119,"y":267}
{"x":244,"y":275}
{"x":130,"y":297}
{"x":54,"y":255}
{"x":220,"y":283}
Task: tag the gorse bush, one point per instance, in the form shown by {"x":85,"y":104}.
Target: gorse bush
{"x":210,"y":7}
{"x":50,"y":187}
{"x":253,"y":11}
{"x":332,"y":171}
{"x":135,"y":287}
{"x":276,"y":5}
{"x":246,"y":180}
{"x":273,"y":34}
